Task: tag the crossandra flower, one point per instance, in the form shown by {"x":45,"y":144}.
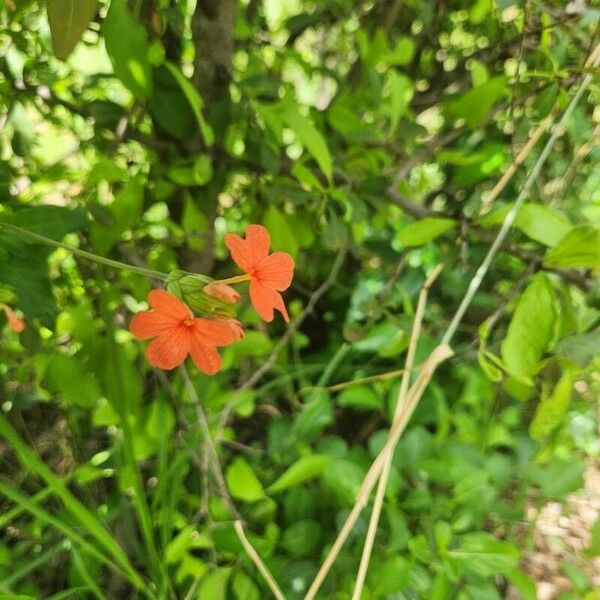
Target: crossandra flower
{"x":269,"y":274}
{"x":222,"y":291}
{"x":177,"y":333}
{"x":15,"y":323}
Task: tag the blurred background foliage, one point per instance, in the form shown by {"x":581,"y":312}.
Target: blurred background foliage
{"x":369,"y":131}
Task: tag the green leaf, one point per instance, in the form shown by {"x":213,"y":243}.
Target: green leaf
{"x":483,"y":555}
{"x":214,"y":585}
{"x":307,"y":467}
{"x":70,"y":377}
{"x":579,"y":248}
{"x":551,"y":410}
{"x":195,"y":101}
{"x":281,"y":230}
{"x":68,"y":19}
{"x":126,"y":209}
{"x":425,"y":230}
{"x":594,"y":547}
{"x":127,"y":47}
{"x":243,"y":587}
{"x":474,"y":105}
{"x":310,"y":137}
{"x":302,"y":538}
{"x":361,"y":397}
{"x":399,"y":91}
{"x":558,"y":478}
{"x":580,"y":348}
{"x":242,"y":482}
{"x":531,"y":329}
{"x":194,"y":223}
{"x":524,"y":583}
{"x":50,"y":221}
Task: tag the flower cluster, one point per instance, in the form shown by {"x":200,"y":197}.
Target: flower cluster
{"x":176,"y":332}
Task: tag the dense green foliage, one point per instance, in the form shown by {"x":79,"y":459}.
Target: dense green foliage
{"x":366,"y":136}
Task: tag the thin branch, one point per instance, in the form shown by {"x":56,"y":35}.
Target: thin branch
{"x":258,"y":563}
{"x":400,"y":403}
{"x":285,"y":338}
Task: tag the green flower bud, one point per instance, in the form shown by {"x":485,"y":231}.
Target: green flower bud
{"x":190,"y":289}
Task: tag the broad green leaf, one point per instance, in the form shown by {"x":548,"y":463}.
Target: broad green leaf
{"x":68,"y":19}
{"x":425,"y":230}
{"x":343,"y":477}
{"x":399,"y":93}
{"x":538,"y":222}
{"x":559,"y":477}
{"x":474,"y":105}
{"x":579,"y":248}
{"x":361,"y":397}
{"x":214,"y":584}
{"x":195,"y":101}
{"x":302,"y":538}
{"x":50,"y":221}
{"x":126,"y":210}
{"x":310,"y":137}
{"x":70,"y":377}
{"x":580,"y":348}
{"x":281,"y":230}
{"x":307,"y":467}
{"x":194,"y":223}
{"x":531,"y":329}
{"x":483,"y":555}
{"x":524,"y":583}
{"x":127,"y":47}
{"x":552,"y":409}
{"x":243,"y":587}
{"x":242,"y":482}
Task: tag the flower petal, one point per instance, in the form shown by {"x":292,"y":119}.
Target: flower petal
{"x":265,"y":299}
{"x":168,"y":305}
{"x":205,"y":357}
{"x":240,"y":252}
{"x":14,"y":322}
{"x":250,"y":252}
{"x":213,"y":332}
{"x":149,"y":323}
{"x":170,"y":348}
{"x":276,"y":271}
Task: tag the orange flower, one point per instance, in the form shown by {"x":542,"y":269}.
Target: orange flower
{"x":269,"y":274}
{"x":177,"y":333}
{"x":14,"y":322}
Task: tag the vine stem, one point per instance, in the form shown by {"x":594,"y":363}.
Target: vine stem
{"x":115,"y":264}
{"x":398,"y":413}
{"x":443,"y":351}
{"x":258,"y":563}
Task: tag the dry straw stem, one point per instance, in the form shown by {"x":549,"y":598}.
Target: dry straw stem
{"x":258,"y":563}
{"x":443,"y":351}
{"x":398,"y":414}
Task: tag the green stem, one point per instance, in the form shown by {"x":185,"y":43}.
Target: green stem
{"x":114,"y":264}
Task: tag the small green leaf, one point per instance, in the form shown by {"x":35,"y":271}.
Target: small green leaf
{"x":474,"y":105}
{"x":307,"y":467}
{"x":242,"y":482}
{"x":243,"y":587}
{"x":485,"y":556}
{"x":195,"y":101}
{"x":524,"y":583}
{"x":531,"y":329}
{"x":214,"y":584}
{"x":579,"y":248}
{"x":194,"y":223}
{"x":68,"y":19}
{"x":361,"y":397}
{"x":50,"y":221}
{"x":580,"y":348}
{"x":127,"y":47}
{"x":425,"y":230}
{"x":69,"y":377}
{"x":551,"y":410}
{"x":310,"y":137}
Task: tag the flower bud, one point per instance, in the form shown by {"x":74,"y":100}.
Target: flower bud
{"x":223,"y":292}
{"x":14,"y":322}
{"x":190,"y":289}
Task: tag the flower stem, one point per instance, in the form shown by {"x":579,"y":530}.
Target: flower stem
{"x":115,"y":264}
{"x":236,"y":279}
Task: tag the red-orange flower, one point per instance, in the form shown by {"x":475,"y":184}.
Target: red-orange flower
{"x":222,"y":291}
{"x":269,"y":273}
{"x":177,"y":333}
{"x":14,"y":322}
